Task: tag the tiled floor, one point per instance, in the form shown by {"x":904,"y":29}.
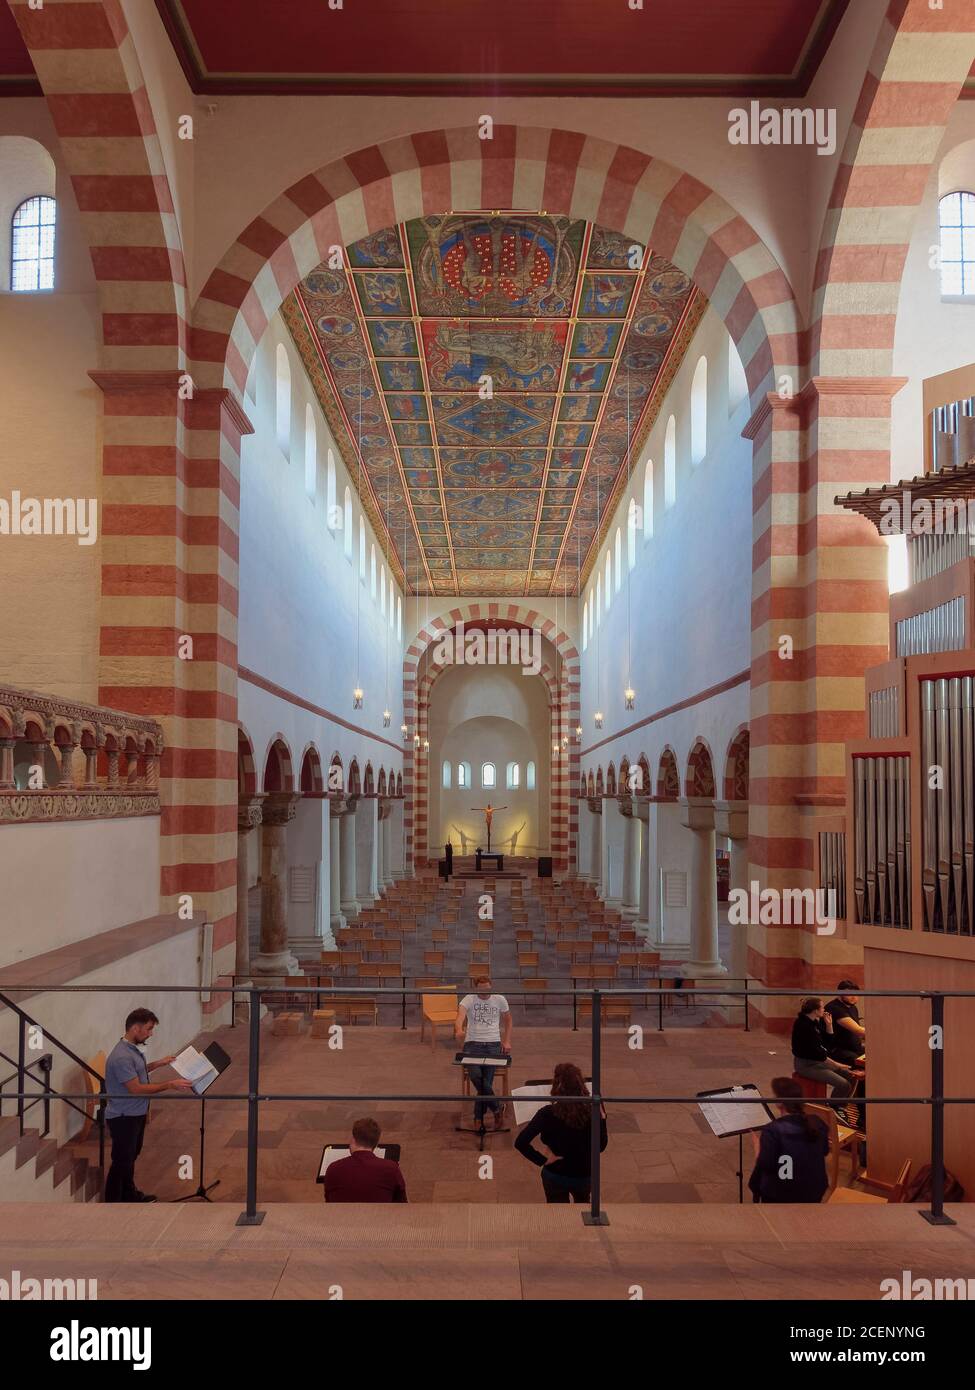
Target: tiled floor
{"x":656,"y":1153}
{"x":306,"y":1251}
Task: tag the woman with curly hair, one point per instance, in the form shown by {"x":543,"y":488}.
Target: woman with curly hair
{"x":565,"y":1129}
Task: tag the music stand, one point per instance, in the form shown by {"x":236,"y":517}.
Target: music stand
{"x":727,"y":1120}
{"x":332,"y":1152}
{"x":481,"y":1130}
{"x":202,"y":1081}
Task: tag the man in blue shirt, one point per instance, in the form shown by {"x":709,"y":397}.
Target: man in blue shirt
{"x":128,"y":1088}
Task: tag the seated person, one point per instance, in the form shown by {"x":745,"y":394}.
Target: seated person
{"x":800,"y":1137}
{"x":849,"y":1034}
{"x":362,"y":1177}
{"x":565,"y":1129}
{"x":811,"y":1034}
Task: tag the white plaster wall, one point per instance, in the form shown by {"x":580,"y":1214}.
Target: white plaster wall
{"x":683,"y":611}
{"x":489,"y":714}
{"x":49,"y":447}
{"x":90,"y":1023}
{"x":301,"y":601}
{"x":64,"y":881}
{"x":932,"y":336}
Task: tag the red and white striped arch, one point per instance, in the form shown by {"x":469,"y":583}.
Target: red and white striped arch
{"x":418,"y":682}
{"x":556,"y":171}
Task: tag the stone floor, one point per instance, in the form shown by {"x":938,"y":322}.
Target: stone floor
{"x":657,"y":1153}
{"x":482,"y":1253}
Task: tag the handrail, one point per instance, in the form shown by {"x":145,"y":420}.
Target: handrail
{"x":23,"y":1066}
{"x":936,"y":1099}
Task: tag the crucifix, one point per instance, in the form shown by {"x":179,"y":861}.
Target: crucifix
{"x":489,"y":811}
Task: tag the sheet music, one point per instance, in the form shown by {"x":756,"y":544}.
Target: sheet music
{"x":193,"y":1066}
{"x":331,"y":1154}
{"x":526,"y":1110}
{"x":727,"y":1119}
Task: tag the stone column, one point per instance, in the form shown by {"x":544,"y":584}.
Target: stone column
{"x":248,"y":817}
{"x":349,"y":901}
{"x":641,"y":810}
{"x":731,"y":819}
{"x":632,"y":858}
{"x":697,"y":814}
{"x":7,"y":782}
{"x":367,"y":851}
{"x":335,"y":920}
{"x":386,"y":831}
{"x":112,"y":756}
{"x":65,"y":759}
{"x":274,"y":957}
{"x":596,"y":845}
{"x":91,"y":767}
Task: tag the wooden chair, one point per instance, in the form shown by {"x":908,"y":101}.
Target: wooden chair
{"x":890,"y":1192}
{"x":391,"y":950}
{"x":842,"y":1139}
{"x":604,"y":970}
{"x":433,"y":960}
{"x":581,"y":953}
{"x":440,"y":937}
{"x":649,"y":962}
{"x":349,"y":1009}
{"x":97,"y":1063}
{"x":611,"y":1010}
{"x":332,"y":960}
{"x":601,"y":937}
{"x":430,"y":982}
{"x":524,"y":936}
{"x":534,"y":986}
{"x":349,"y":962}
{"x":528,"y":960}
{"x":439,"y":1010}
{"x":480,"y":955}
{"x":626,"y":936}
{"x":629,"y":960}
{"x":294,"y":996}
{"x":390,"y":970}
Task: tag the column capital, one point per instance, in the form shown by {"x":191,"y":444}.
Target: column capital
{"x":279,"y":807}
{"x":697,"y":812}
{"x":249,"y":812}
{"x":731,"y":819}
{"x":800,"y":402}
{"x":595,"y":805}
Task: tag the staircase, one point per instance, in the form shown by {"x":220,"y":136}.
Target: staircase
{"x":33,"y":1169}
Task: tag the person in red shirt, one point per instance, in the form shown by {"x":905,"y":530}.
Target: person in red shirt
{"x":362,"y":1177}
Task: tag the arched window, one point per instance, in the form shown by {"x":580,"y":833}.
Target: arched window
{"x":699,"y":411}
{"x":463,"y":774}
{"x":32,"y":245}
{"x":585,"y":625}
{"x":399,"y":616}
{"x":632,"y":522}
{"x":618,"y":558}
{"x":670,"y":463}
{"x":332,"y":518}
{"x":282,"y":400}
{"x":608,"y":580}
{"x":956,"y":217}
{"x":530,"y":777}
{"x":489,"y":775}
{"x":648,"y":500}
{"x":446,"y":774}
{"x":392,"y":603}
{"x":599,"y":599}
{"x":514,"y":776}
{"x":311,"y":454}
{"x":347,"y":523}
{"x":382,"y":590}
{"x":362,"y":548}
{"x":372,"y":572}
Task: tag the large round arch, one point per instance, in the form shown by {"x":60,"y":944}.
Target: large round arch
{"x":564,"y":172}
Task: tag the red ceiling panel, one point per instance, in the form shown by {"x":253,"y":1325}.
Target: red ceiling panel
{"x":16,"y":69}
{"x":563,"y":46}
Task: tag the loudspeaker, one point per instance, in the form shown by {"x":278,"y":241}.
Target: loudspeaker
{"x":545,"y":868}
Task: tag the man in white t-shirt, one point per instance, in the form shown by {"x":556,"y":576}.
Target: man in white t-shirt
{"x":487,"y":1019}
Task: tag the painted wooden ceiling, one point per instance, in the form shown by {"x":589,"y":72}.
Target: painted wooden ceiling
{"x":490,"y":379}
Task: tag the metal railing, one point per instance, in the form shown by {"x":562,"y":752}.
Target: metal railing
{"x":23,"y":1069}
{"x":254,"y":1097}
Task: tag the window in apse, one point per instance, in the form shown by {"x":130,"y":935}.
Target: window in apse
{"x":489,"y":776}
